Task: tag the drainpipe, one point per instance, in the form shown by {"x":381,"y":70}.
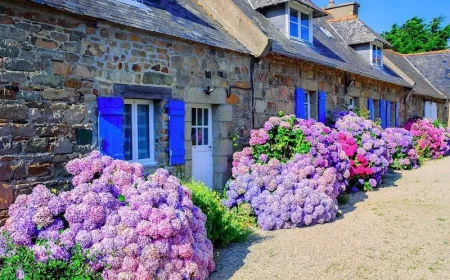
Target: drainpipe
{"x":410,"y":93}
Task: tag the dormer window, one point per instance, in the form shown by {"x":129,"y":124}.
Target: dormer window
{"x":377,"y":55}
{"x":299,"y":22}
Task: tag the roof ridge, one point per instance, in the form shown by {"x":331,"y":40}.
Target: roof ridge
{"x":429,"y":52}
{"x":420,"y":73}
{"x":342,"y":18}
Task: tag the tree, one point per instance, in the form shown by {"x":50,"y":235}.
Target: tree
{"x":415,"y":35}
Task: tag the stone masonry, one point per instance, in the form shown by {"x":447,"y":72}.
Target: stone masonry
{"x":54,"y":65}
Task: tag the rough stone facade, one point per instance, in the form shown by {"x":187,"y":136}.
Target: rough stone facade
{"x":276,"y":79}
{"x":54,"y":65}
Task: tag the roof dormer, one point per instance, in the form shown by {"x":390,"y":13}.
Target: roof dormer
{"x":293,"y":18}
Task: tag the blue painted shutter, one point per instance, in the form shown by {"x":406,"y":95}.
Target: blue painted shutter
{"x":110,"y":122}
{"x":300,"y":98}
{"x":397,"y":114}
{"x":322,"y":106}
{"x":383,"y":113}
{"x":371,"y":108}
{"x":388,"y":113}
{"x":176,"y":112}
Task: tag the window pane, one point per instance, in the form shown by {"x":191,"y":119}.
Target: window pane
{"x":143,"y":122}
{"x":199,"y":136}
{"x":194,"y":136}
{"x":127,"y":132}
{"x":205,"y":116}
{"x":194,"y":117}
{"x":305,"y":33}
{"x":305,"y":20}
{"x":205,"y":136}
{"x":294,"y":16}
{"x":293,"y":30}
{"x":199,"y":117}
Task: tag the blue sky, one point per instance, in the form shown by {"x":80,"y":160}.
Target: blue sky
{"x":381,"y":14}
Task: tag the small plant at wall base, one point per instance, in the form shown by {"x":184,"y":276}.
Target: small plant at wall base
{"x":19,"y":262}
{"x":222,"y":226}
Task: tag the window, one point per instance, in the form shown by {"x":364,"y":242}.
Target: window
{"x":200,"y":131}
{"x":376,"y":55}
{"x":351,"y":103}
{"x":138,"y":131}
{"x":431,"y":110}
{"x":308,"y":105}
{"x":299,"y":24}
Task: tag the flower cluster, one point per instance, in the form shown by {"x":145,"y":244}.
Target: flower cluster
{"x":401,"y":147}
{"x":430,"y":141}
{"x":366,"y":146}
{"x":132,"y":227}
{"x":299,"y":192}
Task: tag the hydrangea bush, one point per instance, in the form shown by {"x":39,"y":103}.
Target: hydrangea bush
{"x":298,"y":188}
{"x":430,"y":141}
{"x":132,"y":227}
{"x":401,"y":147}
{"x":366,"y":146}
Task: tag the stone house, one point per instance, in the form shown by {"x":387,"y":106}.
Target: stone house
{"x":171,"y":83}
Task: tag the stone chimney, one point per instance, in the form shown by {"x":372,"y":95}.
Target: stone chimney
{"x":343,"y":10}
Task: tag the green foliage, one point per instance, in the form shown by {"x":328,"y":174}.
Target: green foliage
{"x":283,"y":142}
{"x":362,"y":112}
{"x":222,"y":226}
{"x":20,"y":258}
{"x":343,"y":198}
{"x":415,"y":35}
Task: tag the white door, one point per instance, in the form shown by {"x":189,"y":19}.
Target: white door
{"x":201,"y":132}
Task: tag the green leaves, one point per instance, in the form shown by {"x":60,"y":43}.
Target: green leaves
{"x":415,"y":35}
{"x":22,"y":258}
{"x":283,"y":143}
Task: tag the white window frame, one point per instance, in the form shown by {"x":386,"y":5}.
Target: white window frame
{"x":351,"y":103}
{"x":300,"y":9}
{"x":134,"y":131}
{"x":308,"y":104}
{"x":379,"y":46}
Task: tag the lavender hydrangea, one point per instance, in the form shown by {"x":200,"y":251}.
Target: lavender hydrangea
{"x":132,"y":227}
{"x":299,"y":192}
{"x":365,"y":144}
{"x":401,"y":147}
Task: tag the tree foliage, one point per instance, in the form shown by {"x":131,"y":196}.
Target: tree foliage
{"x":415,"y":35}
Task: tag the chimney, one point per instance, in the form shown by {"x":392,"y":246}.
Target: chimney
{"x":343,"y":10}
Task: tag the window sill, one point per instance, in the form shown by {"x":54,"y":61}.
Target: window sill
{"x":300,"y":41}
{"x":145,"y":163}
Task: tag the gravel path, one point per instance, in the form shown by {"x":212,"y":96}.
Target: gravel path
{"x":401,"y":231}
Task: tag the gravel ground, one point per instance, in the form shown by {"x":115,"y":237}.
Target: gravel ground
{"x":401,"y":231}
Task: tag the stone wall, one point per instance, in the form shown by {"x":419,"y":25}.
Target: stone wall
{"x":53,"y":65}
{"x":277,"y":78}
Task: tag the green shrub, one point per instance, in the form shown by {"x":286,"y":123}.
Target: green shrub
{"x":18,"y":262}
{"x":222,"y":226}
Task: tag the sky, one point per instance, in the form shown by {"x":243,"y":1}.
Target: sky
{"x":380,"y":15}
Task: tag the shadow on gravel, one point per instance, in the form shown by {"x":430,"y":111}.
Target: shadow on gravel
{"x":389,"y":180}
{"x":231,"y":259}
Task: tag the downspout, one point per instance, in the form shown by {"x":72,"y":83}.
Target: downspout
{"x":410,"y":93}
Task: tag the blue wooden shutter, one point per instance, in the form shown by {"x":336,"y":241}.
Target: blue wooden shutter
{"x":371,"y":108}
{"x":388,"y":113}
{"x":397,"y":114}
{"x":322,"y":106}
{"x":300,"y":97}
{"x":176,"y":112}
{"x":383,"y":113}
{"x":110,"y":122}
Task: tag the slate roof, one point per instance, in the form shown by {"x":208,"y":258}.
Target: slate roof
{"x":325,"y":50}
{"x":318,"y":12}
{"x":422,"y":86}
{"x":435,"y":67}
{"x":184,"y":19}
{"x":355,"y":31}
